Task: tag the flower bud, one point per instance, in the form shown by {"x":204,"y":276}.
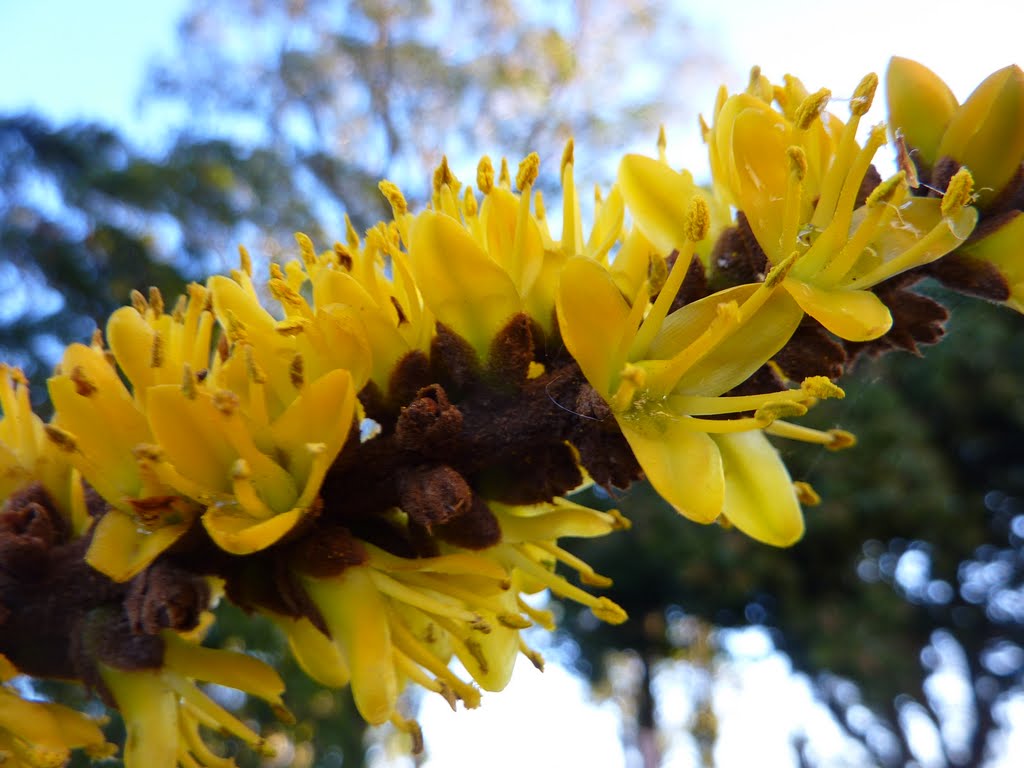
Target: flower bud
{"x":920,"y":107}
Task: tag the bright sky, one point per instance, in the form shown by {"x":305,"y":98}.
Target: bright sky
{"x":86,"y":60}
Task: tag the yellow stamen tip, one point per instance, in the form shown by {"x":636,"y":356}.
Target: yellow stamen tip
{"x":226,"y":402}
{"x":485,"y":175}
{"x":139,"y":302}
{"x":156,"y":300}
{"x":156,"y":355}
{"x":821,"y":388}
{"x":698,"y":219}
{"x":959,"y":193}
{"x":188,"y":382}
{"x":244,"y":260}
{"x":469,"y":206}
{"x":443,"y":176}
{"x":841,"y":439}
{"x":608,"y":612}
{"x":887,"y":190}
{"x":797,"y":162}
{"x":296,"y":371}
{"x":811,"y":108}
{"x":568,"y":155}
{"x":503,"y":177}
{"x":528,"y":170}
{"x":305,"y":248}
{"x":864,"y":95}
{"x":779,"y":272}
{"x":783,"y":410}
{"x":662,"y":143}
{"x":394,"y":196}
{"x":805,"y":494}
{"x":63,"y":439}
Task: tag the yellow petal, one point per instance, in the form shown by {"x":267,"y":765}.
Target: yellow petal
{"x":682,"y":464}
{"x":356,"y":615}
{"x":735,"y":358}
{"x":231,"y":669}
{"x":303,"y":422}
{"x":120,"y":548}
{"x":920,"y":106}
{"x":658,"y":199}
{"x":461,"y":285}
{"x":759,"y":496}
{"x":150,"y":712}
{"x":592,"y":318}
{"x":853,"y":315}
{"x":314,"y":652}
{"x":190,"y":433}
{"x":987,"y":133}
{"x":241,"y":534}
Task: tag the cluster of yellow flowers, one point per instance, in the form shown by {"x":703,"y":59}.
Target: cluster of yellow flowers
{"x":380,"y":463}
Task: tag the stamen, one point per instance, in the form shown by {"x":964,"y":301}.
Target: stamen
{"x":540,"y":617}
{"x":601,"y":607}
{"x":394,"y":196}
{"x":587,"y":574}
{"x":833,"y":439}
{"x":405,"y":641}
{"x":245,"y":491}
{"x":156,"y":301}
{"x":412,"y":728}
{"x":527,"y":173}
{"x":485,"y":175}
{"x":406,"y":594}
{"x":728,"y":317}
{"x":534,"y":656}
{"x":811,"y":108}
{"x":245,"y":261}
{"x":805,"y":494}
{"x":794,"y":198}
{"x":139,"y":302}
{"x":959,"y":192}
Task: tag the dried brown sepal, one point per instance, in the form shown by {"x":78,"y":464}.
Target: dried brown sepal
{"x":453,"y":359}
{"x":970,"y":276}
{"x":737,"y":258}
{"x":329,"y":552}
{"x":433,"y":495}
{"x":410,"y":374}
{"x":430,"y":425}
{"x":811,"y":351}
{"x":916,"y":320}
{"x":165,"y":597}
{"x":512,"y":351}
{"x":547,"y":471}
{"x":476,"y":529}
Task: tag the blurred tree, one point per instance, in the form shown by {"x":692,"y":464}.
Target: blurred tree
{"x":351,"y":92}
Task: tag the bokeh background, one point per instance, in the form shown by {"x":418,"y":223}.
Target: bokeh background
{"x":140,"y":143}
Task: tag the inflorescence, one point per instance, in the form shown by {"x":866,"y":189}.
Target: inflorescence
{"x":381,"y":462}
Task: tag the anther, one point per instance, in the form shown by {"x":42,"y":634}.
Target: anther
{"x":244,"y":260}
{"x":568,"y":156}
{"x":887,"y":190}
{"x":485,"y":175}
{"x":797,"y":162}
{"x":156,"y":301}
{"x":394,"y":196}
{"x":959,"y":193}
{"x":528,"y":170}
{"x":139,"y":302}
{"x":83,"y":384}
{"x":811,"y":108}
{"x":306,"y":248}
{"x":698,"y":219}
{"x":864,"y":95}
{"x":821,"y":388}
{"x":805,"y":494}
{"x":840,"y":439}
{"x":64,"y":440}
{"x":225,"y":401}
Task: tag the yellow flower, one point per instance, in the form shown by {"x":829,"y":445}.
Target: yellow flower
{"x":36,"y":734}
{"x":392,"y":620}
{"x":796,"y":175}
{"x":985,"y":133}
{"x":164,"y":708}
{"x":27,"y":456}
{"x":662,"y":375}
